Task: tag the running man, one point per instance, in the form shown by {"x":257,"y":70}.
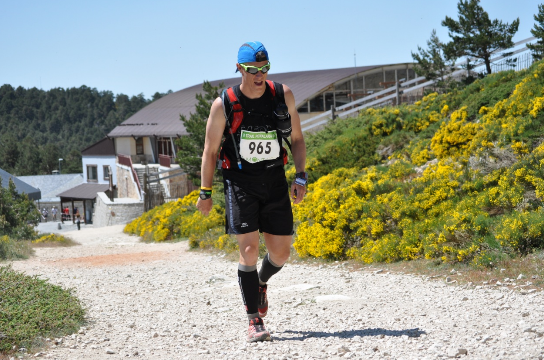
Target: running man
{"x":250,"y":123}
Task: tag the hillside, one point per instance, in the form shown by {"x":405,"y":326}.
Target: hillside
{"x":38,"y":127}
{"x":455,"y":177}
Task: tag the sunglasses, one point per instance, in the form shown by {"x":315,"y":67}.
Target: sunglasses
{"x":254,"y":70}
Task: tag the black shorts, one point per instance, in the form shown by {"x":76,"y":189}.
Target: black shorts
{"x":252,"y":206}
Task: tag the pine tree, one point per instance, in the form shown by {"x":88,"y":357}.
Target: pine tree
{"x":50,"y":158}
{"x":432,"y":63}
{"x":73,"y":163}
{"x":475,"y":35}
{"x":30,"y":158}
{"x":537,"y":48}
{"x":17,"y":212}
{"x":191,"y":147}
{"x":9,"y":153}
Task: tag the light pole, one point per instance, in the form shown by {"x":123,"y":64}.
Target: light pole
{"x":59,"y":164}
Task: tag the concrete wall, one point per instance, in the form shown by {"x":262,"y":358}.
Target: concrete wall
{"x":120,"y":211}
{"x":127,"y":146}
{"x":100,"y":162}
{"x":126,"y":186}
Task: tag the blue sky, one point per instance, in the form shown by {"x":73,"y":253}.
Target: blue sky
{"x":134,"y":47}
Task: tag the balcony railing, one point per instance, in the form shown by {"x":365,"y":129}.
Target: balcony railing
{"x":165,"y":160}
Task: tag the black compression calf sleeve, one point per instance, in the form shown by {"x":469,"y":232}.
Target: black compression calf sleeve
{"x":268,"y":268}
{"x":248,"y":279}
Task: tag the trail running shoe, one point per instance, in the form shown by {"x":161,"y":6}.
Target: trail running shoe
{"x":257,"y":331}
{"x":263,"y":301}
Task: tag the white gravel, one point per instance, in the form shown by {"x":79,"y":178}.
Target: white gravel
{"x":162,"y":301}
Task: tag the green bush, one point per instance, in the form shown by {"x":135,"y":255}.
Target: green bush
{"x":32,"y":308}
{"x":14,"y":249}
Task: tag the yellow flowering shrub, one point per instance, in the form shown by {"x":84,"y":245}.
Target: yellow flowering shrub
{"x":453,"y":210}
{"x":454,"y":136}
{"x":176,"y":219}
{"x":477,"y":193}
{"x":51,"y":238}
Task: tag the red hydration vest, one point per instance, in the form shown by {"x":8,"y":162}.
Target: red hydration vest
{"x":238,"y":116}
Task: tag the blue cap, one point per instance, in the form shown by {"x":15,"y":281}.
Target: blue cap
{"x":252,"y":51}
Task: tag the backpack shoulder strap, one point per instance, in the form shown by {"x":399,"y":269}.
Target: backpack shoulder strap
{"x":277,"y":91}
{"x":235,"y":108}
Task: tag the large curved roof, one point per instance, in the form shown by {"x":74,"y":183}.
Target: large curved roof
{"x":161,"y":117}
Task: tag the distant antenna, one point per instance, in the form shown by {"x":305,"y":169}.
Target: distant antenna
{"x":355,"y":67}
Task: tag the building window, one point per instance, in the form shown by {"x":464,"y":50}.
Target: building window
{"x":139,"y":146}
{"x":316,"y":104}
{"x":106,"y":172}
{"x":92,"y":174}
{"x":303,"y":108}
{"x":165,"y":146}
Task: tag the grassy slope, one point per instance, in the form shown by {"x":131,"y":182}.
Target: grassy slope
{"x":481,"y":202}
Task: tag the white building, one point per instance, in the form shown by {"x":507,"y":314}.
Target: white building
{"x":98,"y":160}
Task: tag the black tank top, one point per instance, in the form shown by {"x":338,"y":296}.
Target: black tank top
{"x":258,"y":116}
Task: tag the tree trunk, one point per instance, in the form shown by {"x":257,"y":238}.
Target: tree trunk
{"x":487,"y":65}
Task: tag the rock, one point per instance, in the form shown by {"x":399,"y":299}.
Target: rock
{"x":299,"y":287}
{"x":215,"y":278}
{"x":454,"y":352}
{"x":378,"y":271}
{"x":110,"y":351}
{"x":323,"y":298}
{"x":464,"y":298}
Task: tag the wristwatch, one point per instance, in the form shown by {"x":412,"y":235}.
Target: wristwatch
{"x":301,"y":178}
{"x":205,"y":194}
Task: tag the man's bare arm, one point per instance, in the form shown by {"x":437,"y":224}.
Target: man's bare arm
{"x":298,"y":147}
{"x":214,"y":134}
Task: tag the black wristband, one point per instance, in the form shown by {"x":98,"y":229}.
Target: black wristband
{"x":205,"y":194}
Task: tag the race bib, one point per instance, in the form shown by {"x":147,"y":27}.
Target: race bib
{"x":259,"y":146}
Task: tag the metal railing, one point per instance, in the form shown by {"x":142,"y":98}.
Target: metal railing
{"x":387,"y":95}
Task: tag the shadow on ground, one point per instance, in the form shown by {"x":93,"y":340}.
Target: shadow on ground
{"x":303,"y":335}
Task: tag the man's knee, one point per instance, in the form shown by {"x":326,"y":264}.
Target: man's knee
{"x":280,"y":256}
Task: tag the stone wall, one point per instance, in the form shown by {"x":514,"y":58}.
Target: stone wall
{"x":120,"y":211}
{"x":126,"y":186}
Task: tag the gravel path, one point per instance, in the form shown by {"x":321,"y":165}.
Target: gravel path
{"x":162,"y":301}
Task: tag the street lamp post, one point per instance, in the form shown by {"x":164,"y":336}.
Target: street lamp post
{"x":59,"y":164}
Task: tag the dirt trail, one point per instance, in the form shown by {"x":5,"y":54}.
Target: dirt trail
{"x":162,"y":301}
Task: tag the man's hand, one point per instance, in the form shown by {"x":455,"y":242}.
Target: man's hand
{"x":297,"y":193}
{"x":204,"y":206}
